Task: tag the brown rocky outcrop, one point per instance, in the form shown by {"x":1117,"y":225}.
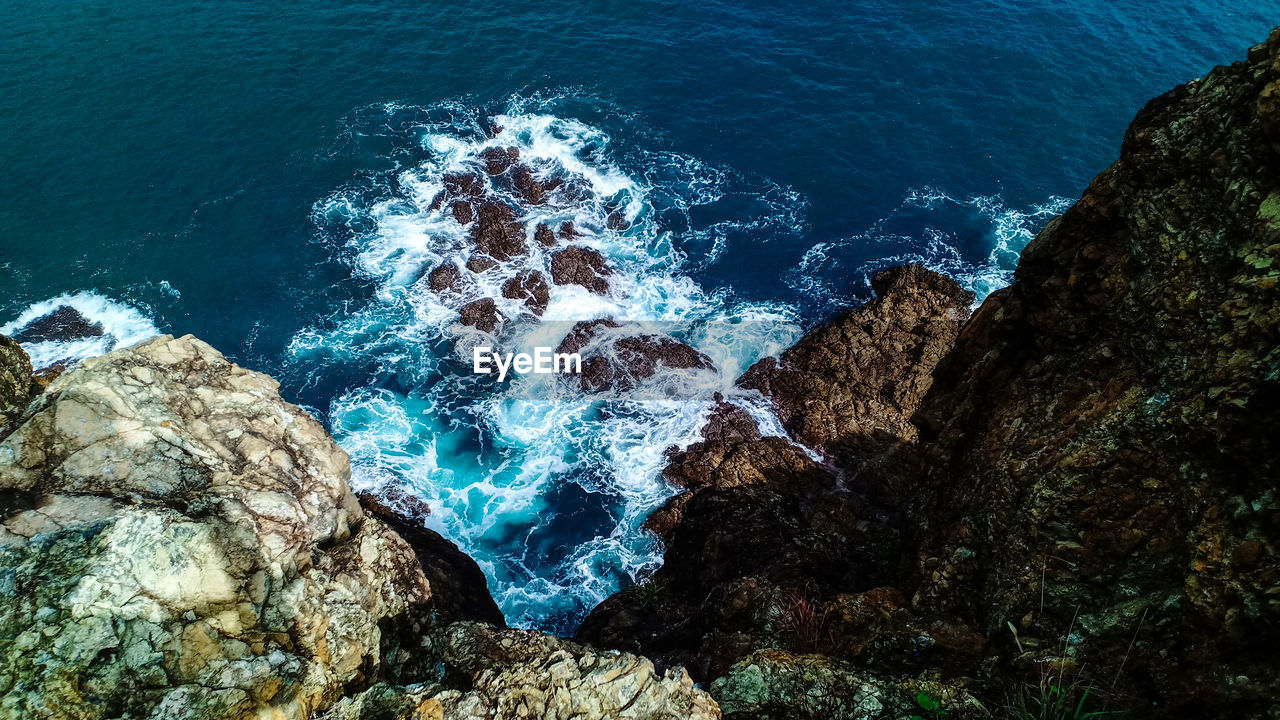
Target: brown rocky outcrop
{"x":498,"y":160}
{"x":544,"y":236}
{"x":444,"y":276}
{"x":576,"y":265}
{"x":771,"y":546}
{"x":858,"y":379}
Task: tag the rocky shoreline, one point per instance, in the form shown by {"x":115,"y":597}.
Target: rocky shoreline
{"x":1071,"y":493}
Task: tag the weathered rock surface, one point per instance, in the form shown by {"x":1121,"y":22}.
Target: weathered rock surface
{"x":63,"y":323}
{"x":496,"y":232}
{"x":444,"y":276}
{"x":1100,"y":452}
{"x":778,"y":685}
{"x":857,"y":380}
{"x":492,"y":673}
{"x":614,"y":360}
{"x":498,"y":160}
{"x":481,"y":314}
{"x":179,"y":542}
{"x":576,"y":265}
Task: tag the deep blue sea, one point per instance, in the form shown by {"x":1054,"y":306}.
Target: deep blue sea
{"x":261,"y":175}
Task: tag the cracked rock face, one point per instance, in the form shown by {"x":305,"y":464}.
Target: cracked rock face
{"x":178,"y":542}
{"x":15,"y":381}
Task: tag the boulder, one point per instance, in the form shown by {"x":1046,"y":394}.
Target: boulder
{"x":498,"y":160}
{"x":622,"y":363}
{"x":576,"y":265}
{"x":444,"y":276}
{"x":544,"y":236}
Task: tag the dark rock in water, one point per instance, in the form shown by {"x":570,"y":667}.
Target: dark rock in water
{"x":531,"y":287}
{"x":16,"y":384}
{"x":496,"y":232}
{"x":857,"y":380}
{"x":626,"y":361}
{"x":544,"y":236}
{"x":529,"y":187}
{"x":1099,"y":454}
{"x":445,"y":276}
{"x":583,"y":266}
{"x":732,"y":452}
{"x":459,"y":590}
{"x":480,"y":263}
{"x":462,"y":212}
{"x":461,"y":187}
{"x":568,"y":231}
{"x":481,"y":314}
{"x":498,"y":160}
{"x":63,"y":323}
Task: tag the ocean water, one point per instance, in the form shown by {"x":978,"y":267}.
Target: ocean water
{"x":262,"y":177}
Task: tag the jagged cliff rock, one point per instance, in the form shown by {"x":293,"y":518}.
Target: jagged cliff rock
{"x":1090,"y":499}
{"x":1100,"y":453}
{"x":16,"y":384}
{"x":770,"y":547}
{"x":176,"y":541}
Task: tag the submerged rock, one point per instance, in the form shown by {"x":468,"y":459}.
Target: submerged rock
{"x":583,"y":266}
{"x":63,"y":323}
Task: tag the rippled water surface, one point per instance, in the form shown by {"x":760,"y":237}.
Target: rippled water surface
{"x":263,"y":177}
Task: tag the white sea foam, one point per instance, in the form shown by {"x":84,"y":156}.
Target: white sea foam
{"x":543,"y":483}
{"x":928,"y":227}
{"x":122,"y":326}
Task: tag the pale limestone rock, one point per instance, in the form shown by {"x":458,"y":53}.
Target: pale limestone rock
{"x":181,"y":543}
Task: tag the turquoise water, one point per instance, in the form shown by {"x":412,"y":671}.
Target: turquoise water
{"x":261,"y":177}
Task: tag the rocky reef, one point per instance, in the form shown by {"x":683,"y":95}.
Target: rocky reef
{"x":1065,"y":502}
